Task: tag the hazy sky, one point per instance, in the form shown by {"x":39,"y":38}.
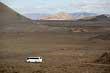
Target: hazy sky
{"x":53,"y":6}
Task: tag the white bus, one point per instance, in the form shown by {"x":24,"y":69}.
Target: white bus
{"x":34,"y":60}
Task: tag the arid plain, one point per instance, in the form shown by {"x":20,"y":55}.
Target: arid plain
{"x":66,"y":46}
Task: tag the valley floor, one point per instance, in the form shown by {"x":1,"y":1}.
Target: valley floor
{"x":61,"y":52}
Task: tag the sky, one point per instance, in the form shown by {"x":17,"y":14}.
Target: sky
{"x":54,"y":6}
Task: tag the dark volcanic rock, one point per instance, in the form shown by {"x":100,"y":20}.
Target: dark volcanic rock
{"x":104,"y":59}
{"x":105,"y":36}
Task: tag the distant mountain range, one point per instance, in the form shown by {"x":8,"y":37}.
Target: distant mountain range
{"x":58,"y":16}
{"x":36,"y":16}
{"x":76,"y":16}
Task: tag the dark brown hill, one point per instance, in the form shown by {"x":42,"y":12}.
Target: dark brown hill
{"x":9,"y":16}
{"x":10,"y":20}
{"x":96,"y":18}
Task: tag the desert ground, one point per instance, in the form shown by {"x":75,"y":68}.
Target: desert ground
{"x":67,"y":46}
{"x":62,"y":52}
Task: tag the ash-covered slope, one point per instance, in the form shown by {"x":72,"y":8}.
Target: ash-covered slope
{"x":9,"y":16}
{"x":11,"y":21}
